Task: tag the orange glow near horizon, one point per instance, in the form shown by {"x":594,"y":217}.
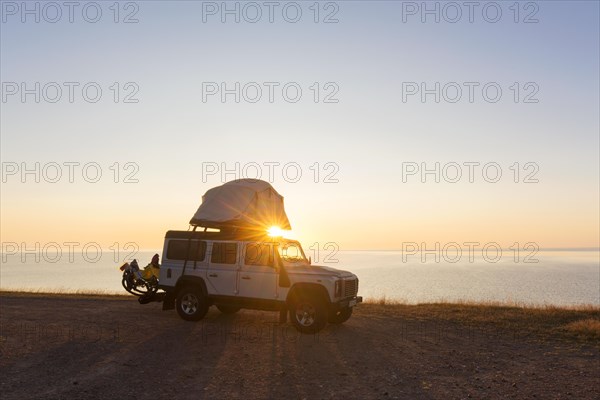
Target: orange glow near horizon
{"x":113,"y":219}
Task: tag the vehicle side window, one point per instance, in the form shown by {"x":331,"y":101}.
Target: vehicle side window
{"x":259,"y":254}
{"x":177,"y":250}
{"x":224,"y":253}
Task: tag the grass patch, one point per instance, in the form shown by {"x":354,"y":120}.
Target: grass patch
{"x":42,"y":292}
{"x":586,"y":328}
{"x":384,"y":301}
{"x":579,"y":323}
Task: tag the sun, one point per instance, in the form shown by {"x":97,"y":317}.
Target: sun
{"x":275,"y":231}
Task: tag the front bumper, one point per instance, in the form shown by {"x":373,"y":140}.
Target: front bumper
{"x":348,"y":302}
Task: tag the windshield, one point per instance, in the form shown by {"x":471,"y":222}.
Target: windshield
{"x":291,"y":254}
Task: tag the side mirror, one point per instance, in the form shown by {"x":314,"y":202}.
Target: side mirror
{"x":309,"y":260}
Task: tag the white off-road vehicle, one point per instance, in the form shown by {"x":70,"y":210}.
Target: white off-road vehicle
{"x":235,"y":269}
{"x":229,"y":260}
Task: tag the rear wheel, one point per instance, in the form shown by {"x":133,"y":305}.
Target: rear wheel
{"x":308,"y":314}
{"x":340,"y":316}
{"x":191,"y":304}
{"x":225,"y":309}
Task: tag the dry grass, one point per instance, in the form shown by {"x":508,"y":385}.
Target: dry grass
{"x":580,"y":322}
{"x":589,"y":327}
{"x":384,"y":301}
{"x":62,"y":293}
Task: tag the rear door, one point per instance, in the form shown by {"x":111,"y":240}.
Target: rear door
{"x":223,"y":268}
{"x":258,"y":275}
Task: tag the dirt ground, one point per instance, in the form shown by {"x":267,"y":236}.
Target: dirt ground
{"x":61,"y":347}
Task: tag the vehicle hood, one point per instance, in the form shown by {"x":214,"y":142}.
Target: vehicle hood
{"x":319,"y":270}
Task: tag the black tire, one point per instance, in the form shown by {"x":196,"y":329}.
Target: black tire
{"x":191,"y":303}
{"x":128,"y":283}
{"x":226,"y":309}
{"x":340,"y":316}
{"x":139,"y":287}
{"x":145,"y":299}
{"x":308,"y":313}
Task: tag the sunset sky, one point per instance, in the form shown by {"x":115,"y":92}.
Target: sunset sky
{"x":364,"y":140}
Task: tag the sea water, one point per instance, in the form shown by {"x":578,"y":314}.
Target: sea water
{"x":549,"y":278}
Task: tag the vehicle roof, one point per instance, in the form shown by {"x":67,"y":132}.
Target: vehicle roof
{"x":238,"y":235}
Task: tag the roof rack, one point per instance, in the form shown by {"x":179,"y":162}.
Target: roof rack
{"x":223,"y":234}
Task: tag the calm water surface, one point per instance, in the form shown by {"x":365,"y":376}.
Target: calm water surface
{"x":559,"y":277}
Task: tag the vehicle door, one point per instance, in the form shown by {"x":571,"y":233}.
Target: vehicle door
{"x":223,"y":268}
{"x":258,"y":274}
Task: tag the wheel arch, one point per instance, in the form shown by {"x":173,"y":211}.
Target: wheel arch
{"x":191,"y":281}
{"x":307,"y":289}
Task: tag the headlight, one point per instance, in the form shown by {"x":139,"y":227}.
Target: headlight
{"x":338,"y":288}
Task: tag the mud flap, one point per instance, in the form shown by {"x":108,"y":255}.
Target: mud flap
{"x":283,"y":312}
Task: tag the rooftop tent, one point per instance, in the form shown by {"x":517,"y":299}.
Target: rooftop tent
{"x":242,"y":203}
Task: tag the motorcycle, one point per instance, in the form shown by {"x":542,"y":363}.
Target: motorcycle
{"x":134,"y":282}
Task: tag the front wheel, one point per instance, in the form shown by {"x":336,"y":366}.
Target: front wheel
{"x":191,"y":304}
{"x":340,"y":316}
{"x":308,"y":314}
